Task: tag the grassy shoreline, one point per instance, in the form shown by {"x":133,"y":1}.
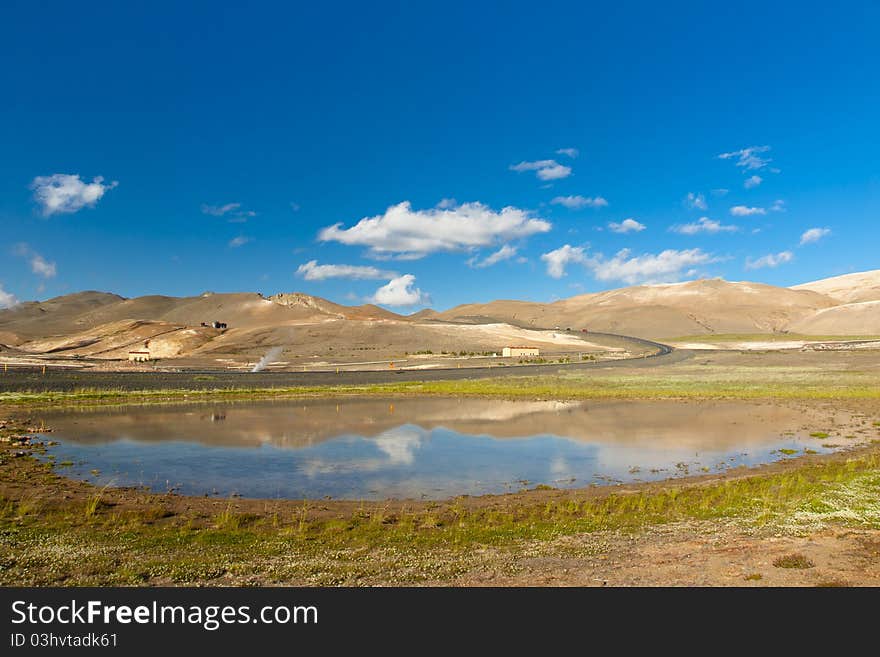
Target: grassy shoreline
{"x":116,"y":536}
{"x":57,"y":531}
{"x":635,"y":387}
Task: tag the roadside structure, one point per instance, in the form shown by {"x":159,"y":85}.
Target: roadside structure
{"x":513,"y":352}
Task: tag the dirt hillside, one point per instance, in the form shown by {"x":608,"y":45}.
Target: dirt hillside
{"x":658,"y":311}
{"x":312,"y":330}
{"x":849,"y":319}
{"x":849,"y":288}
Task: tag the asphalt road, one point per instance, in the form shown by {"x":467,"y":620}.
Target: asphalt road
{"x":32,"y":378}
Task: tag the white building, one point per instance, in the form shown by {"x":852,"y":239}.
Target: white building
{"x":513,"y":352}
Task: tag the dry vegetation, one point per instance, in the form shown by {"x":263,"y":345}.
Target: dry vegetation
{"x":718,"y":529}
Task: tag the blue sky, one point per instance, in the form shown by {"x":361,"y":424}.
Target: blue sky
{"x":150,"y":148}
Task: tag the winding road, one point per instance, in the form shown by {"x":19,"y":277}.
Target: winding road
{"x":32,"y":378}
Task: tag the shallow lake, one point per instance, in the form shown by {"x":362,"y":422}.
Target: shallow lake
{"x":417,"y":448}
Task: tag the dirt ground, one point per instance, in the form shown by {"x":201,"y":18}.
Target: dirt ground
{"x":720,"y":552}
{"x":699,"y":554}
{"x":694,"y":549}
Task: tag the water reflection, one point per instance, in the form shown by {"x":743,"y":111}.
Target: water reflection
{"x":416,"y":448}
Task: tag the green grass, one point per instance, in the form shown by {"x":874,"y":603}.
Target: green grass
{"x":99,"y":544}
{"x":761,"y":385}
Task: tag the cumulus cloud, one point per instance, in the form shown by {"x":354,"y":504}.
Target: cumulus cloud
{"x":665,"y":267}
{"x":778,"y":206}
{"x":63,"y":193}
{"x":578,"y":201}
{"x":409,"y":234}
{"x":568,"y":152}
{"x":814,"y":235}
{"x":703,"y":225}
{"x":400,"y":291}
{"x":39,"y":265}
{"x":626,"y":226}
{"x":752,"y":181}
{"x":544,"y":169}
{"x":770,"y":260}
{"x":241,"y":240}
{"x":695,"y":201}
{"x":749,"y":158}
{"x":558,"y":259}
{"x":7,"y":300}
{"x":745,"y":211}
{"x":506,"y":252}
{"x":312,"y":271}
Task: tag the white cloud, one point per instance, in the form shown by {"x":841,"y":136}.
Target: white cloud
{"x":695,"y":201}
{"x":703,"y":225}
{"x":410,"y":234}
{"x":7,"y":300}
{"x":42,"y":267}
{"x":814,"y":235}
{"x":626,"y":226}
{"x":312,"y":271}
{"x":721,"y":191}
{"x":506,"y":252}
{"x":568,"y":152}
{"x":400,"y":292}
{"x":578,"y":201}
{"x":745,"y":211}
{"x":558,"y":259}
{"x":39,"y":265}
{"x":236,"y":214}
{"x":752,"y":181}
{"x":544,"y":169}
{"x":778,"y":206}
{"x":219,"y":210}
{"x":241,"y":240}
{"x":63,"y":193}
{"x":446,"y":203}
{"x":667,"y":266}
{"x":749,"y":158}
{"x":770,"y":260}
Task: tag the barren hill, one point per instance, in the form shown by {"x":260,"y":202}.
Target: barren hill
{"x":702,"y":306}
{"x":849,"y":288}
{"x":53,"y":316}
{"x":311,"y":330}
{"x":849,"y":319}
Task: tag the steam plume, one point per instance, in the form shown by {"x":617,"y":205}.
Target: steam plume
{"x":270,"y":356}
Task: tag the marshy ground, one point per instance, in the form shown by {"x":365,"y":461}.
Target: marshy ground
{"x":810,"y":520}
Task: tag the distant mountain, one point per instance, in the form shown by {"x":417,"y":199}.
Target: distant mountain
{"x":849,"y":288}
{"x":54,"y":316}
{"x":106,"y":325}
{"x":691,"y":308}
{"x":83,"y":311}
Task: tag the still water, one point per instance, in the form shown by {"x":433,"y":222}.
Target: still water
{"x":415,"y":448}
